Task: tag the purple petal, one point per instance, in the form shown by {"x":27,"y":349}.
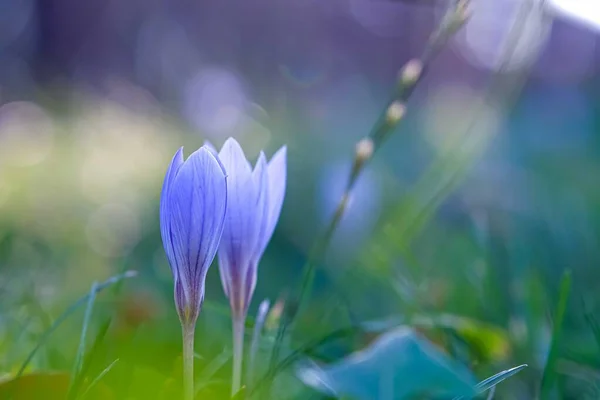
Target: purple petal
{"x":197,"y":204}
{"x":210,"y":147}
{"x":241,"y":224}
{"x":261,"y":182}
{"x":174,"y":166}
{"x":277,"y":181}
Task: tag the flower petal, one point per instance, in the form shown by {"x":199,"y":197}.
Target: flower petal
{"x":241,"y":224}
{"x":210,"y":147}
{"x":277,"y":175}
{"x":197,"y":204}
{"x":261,"y":182}
{"x":174,"y":166}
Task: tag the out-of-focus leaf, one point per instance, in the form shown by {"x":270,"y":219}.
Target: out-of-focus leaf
{"x":45,"y":385}
{"x":594,"y":325}
{"x":209,"y":371}
{"x":489,"y":342}
{"x":399,"y":364}
{"x":98,"y":378}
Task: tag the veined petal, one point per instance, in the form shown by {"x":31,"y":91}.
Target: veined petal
{"x":240,"y":232}
{"x":197,"y":204}
{"x":241,"y":221}
{"x":277,"y":175}
{"x":208,"y":146}
{"x":261,"y":182}
{"x":174,"y":166}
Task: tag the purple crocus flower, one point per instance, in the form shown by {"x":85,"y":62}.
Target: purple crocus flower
{"x":255,"y":197}
{"x":192,"y":213}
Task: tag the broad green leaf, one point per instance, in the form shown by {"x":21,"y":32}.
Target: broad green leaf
{"x":490,"y":342}
{"x":398,"y":365}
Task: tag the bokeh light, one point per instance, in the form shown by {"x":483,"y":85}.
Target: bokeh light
{"x":113,"y":230}
{"x":584,"y":11}
{"x":456,"y":115}
{"x":215,"y":102}
{"x":26,"y":134}
{"x":504,"y":33}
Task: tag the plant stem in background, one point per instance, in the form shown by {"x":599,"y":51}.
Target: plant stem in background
{"x":409,"y":76}
{"x":446,"y":173}
{"x":188,"y":361}
{"x":238,"y":351}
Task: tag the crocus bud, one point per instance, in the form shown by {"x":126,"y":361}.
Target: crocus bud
{"x":192,"y":214}
{"x":255,"y":200}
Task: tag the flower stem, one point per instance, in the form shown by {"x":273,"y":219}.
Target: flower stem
{"x":238,"y":351}
{"x":188,"y":361}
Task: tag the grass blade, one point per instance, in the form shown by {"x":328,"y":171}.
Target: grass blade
{"x":102,"y":331}
{"x":98,"y":378}
{"x":593,"y":323}
{"x":211,"y":369}
{"x":67,"y":313}
{"x":81,"y":350}
{"x":549,"y":377}
{"x":491,"y":382}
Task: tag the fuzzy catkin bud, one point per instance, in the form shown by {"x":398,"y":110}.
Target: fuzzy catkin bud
{"x":364,"y":150}
{"x":411,"y":72}
{"x":395,"y":112}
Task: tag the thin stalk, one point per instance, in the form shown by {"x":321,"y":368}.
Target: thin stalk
{"x":238,"y":351}
{"x":409,"y":76}
{"x":188,"y":361}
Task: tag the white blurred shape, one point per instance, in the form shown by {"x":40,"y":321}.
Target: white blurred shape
{"x":215,"y":102}
{"x":504,"y":33}
{"x":26,"y":134}
{"x":120,"y":150}
{"x":584,"y":11}
{"x":113,"y":230}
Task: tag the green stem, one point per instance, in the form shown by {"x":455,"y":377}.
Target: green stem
{"x":188,"y":361}
{"x":238,"y":351}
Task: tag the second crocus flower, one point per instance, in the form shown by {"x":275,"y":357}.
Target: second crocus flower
{"x":255,"y":197}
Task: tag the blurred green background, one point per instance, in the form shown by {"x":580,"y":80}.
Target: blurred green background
{"x":462,"y":225}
